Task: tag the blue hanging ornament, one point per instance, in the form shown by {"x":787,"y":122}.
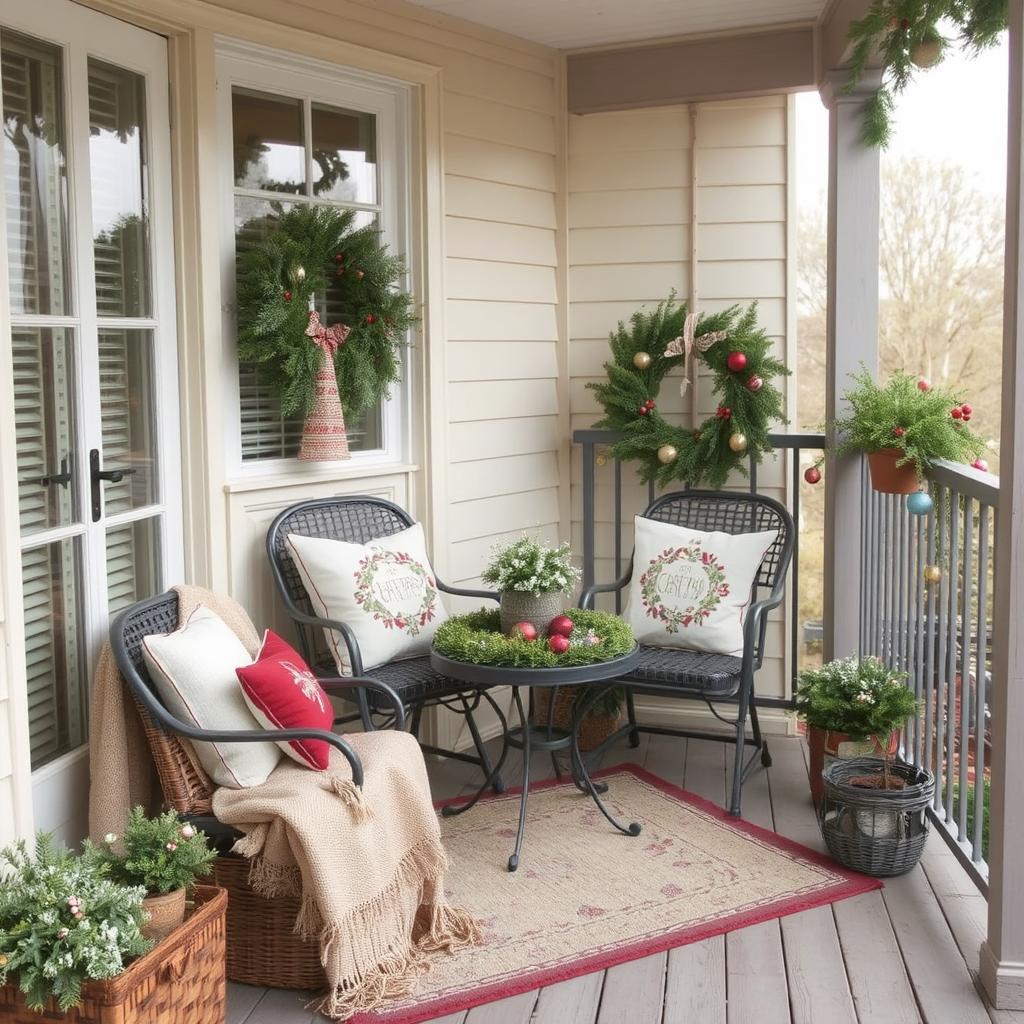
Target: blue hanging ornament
{"x":920,"y":503}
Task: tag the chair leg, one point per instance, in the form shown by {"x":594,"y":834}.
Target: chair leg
{"x":417,"y":718}
{"x":634,"y":735}
{"x":741,"y":748}
{"x":759,"y":740}
{"x":481,"y":748}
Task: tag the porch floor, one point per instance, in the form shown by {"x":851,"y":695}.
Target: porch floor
{"x":904,"y":955}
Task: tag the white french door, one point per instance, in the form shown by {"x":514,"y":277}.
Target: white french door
{"x":87,"y":224}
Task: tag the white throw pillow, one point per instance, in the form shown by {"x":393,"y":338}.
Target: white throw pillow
{"x":194,"y":672}
{"x":691,"y":589}
{"x":383,"y":591}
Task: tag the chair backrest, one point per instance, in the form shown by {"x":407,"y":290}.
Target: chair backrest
{"x":186,"y":786}
{"x":727,"y":512}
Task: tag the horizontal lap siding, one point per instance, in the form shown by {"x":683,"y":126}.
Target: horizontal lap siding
{"x":630,"y":243}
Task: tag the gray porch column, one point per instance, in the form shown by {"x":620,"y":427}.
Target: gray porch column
{"x":852,"y":325}
{"x":1002,"y":954}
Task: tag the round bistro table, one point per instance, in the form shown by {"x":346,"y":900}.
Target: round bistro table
{"x":528,"y":737}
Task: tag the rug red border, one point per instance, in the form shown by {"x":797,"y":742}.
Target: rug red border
{"x":852,"y":884}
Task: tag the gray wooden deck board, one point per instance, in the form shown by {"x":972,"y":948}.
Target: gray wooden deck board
{"x":906,"y":955}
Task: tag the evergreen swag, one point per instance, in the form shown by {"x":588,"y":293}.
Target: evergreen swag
{"x":703,"y":454}
{"x":312,"y":252}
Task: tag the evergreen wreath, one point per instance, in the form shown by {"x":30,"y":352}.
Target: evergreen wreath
{"x":314,"y":251}
{"x":743,"y":367}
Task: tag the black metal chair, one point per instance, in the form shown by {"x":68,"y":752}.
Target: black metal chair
{"x":696,"y":675}
{"x":360,"y":519}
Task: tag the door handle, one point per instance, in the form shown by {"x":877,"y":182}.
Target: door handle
{"x":98,"y":476}
{"x":63,"y":478}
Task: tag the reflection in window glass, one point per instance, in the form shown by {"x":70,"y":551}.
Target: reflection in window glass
{"x":120,"y":215}
{"x":35,"y":181}
{"x":133,"y":559}
{"x":344,"y":155}
{"x":269,"y":148}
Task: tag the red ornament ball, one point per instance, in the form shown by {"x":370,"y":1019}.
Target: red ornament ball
{"x":339,"y":257}
{"x":558,"y":644}
{"x":898,"y":431}
{"x":370,"y":318}
{"x":287,"y":296}
{"x":525,"y":630}
{"x":812,"y":475}
{"x":643,"y":410}
{"x":339,"y":272}
{"x":560,"y":625}
{"x":980,"y":464}
{"x":723,"y":412}
{"x":755,"y":383}
{"x":736,"y":361}
{"x":905,"y":24}
{"x":966,"y":410}
{"x":649,"y":403}
{"x":957,"y":413}
{"x":923,"y":384}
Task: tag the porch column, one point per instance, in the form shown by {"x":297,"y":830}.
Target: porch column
{"x":1002,"y":953}
{"x":852,"y":340}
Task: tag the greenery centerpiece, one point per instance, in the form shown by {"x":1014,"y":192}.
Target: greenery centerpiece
{"x":163,"y":856}
{"x":903,"y":427}
{"x":532,"y":579}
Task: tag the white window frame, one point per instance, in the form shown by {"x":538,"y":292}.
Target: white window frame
{"x":283,"y":73}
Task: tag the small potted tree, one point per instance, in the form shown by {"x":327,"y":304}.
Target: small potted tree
{"x":532,"y":579}
{"x":161,"y":855}
{"x":853,"y":707}
{"x":903,"y":427}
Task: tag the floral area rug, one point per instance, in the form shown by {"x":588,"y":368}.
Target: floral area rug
{"x":586,"y":897}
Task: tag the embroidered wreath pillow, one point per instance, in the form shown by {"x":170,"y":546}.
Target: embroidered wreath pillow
{"x":383,"y":591}
{"x":282,"y":693}
{"x":691,"y":589}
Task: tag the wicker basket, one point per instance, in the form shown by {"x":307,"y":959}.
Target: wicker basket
{"x":879,"y":832}
{"x":539,"y":609}
{"x":594,"y":729}
{"x":180,"y":981}
{"x":263,"y":948}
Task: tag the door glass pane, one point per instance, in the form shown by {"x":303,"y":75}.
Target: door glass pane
{"x":344,"y":155}
{"x":44,"y":426}
{"x":133,"y":563}
{"x":120,"y":192}
{"x":269,"y":143}
{"x":51,"y":585}
{"x":127,"y":406}
{"x":35,"y":182}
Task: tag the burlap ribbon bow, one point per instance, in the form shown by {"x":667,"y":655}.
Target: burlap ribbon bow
{"x":327,"y":338}
{"x":687,"y":342}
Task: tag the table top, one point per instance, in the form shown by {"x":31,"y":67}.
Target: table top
{"x":511,"y":675}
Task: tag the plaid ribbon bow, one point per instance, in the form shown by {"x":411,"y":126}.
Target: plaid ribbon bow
{"x":327,"y":338}
{"x":686,"y":343}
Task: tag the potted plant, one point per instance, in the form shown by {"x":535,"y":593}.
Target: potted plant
{"x":532,"y":579}
{"x":161,"y":855}
{"x":903,"y":427}
{"x":853,"y":707}
{"x":71,"y":945}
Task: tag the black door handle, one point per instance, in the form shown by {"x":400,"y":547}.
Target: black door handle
{"x":63,"y":478}
{"x":98,"y":476}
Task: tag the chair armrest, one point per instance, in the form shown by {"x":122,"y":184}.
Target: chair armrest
{"x":753,"y":625}
{"x":484,"y":595}
{"x":587,"y":597}
{"x":333,"y":683}
{"x":354,"y":654}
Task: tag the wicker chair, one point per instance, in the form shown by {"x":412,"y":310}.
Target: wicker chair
{"x":359,"y":519}
{"x":262,"y":949}
{"x":713,"y":678}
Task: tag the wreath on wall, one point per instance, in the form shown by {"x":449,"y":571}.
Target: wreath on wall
{"x":738,"y":353}
{"x":316,"y":252}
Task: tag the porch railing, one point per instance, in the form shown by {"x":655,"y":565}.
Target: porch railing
{"x":592,"y":442}
{"x":926,"y":609}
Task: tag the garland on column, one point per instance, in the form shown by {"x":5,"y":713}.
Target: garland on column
{"x":314,"y":251}
{"x":739,"y":354}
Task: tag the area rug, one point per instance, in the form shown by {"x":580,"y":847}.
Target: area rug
{"x":586,"y":897}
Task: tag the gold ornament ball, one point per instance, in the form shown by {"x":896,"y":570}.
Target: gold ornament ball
{"x":642,"y":360}
{"x":299,"y":274}
{"x":932,"y":573}
{"x":667,"y":453}
{"x":738,"y":442}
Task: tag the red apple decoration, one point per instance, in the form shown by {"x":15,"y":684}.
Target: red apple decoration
{"x":526,"y":630}
{"x":812,"y":474}
{"x":558,"y":644}
{"x":560,"y":625}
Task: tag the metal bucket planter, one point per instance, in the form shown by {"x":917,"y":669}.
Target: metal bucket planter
{"x":889,"y":478}
{"x":879,"y":832}
{"x":538,"y":609}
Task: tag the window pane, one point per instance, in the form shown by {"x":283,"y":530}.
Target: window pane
{"x":133,"y":559}
{"x":44,"y":426}
{"x":269,"y":147}
{"x":120,"y":190}
{"x":344,"y":155}
{"x":127,"y":406}
{"x":35,"y":182}
{"x":51,"y":587}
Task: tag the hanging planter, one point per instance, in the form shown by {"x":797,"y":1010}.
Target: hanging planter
{"x":888,"y":476}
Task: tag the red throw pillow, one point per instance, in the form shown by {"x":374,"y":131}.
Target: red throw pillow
{"x":283,"y":694}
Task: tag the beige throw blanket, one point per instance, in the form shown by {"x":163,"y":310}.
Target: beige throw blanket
{"x":368,"y":865}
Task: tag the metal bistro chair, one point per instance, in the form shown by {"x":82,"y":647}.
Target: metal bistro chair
{"x":697,"y":675}
{"x":262,"y":946}
{"x":360,"y":519}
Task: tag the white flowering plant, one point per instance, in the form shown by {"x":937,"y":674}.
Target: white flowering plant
{"x":160,"y":854}
{"x":63,"y":921}
{"x":530,"y":567}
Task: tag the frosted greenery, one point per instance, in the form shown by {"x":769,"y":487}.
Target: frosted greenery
{"x":530,"y":567}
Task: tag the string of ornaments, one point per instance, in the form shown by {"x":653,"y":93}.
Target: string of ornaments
{"x":739,"y":355}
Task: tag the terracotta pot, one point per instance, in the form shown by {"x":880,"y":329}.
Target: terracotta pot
{"x":594,"y":729}
{"x":827,"y":746}
{"x":166,"y":911}
{"x":537,"y":609}
{"x":889,"y":478}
